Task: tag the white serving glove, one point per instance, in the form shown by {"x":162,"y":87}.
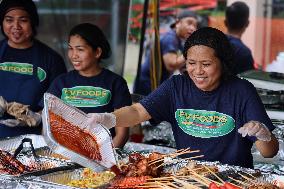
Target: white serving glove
{"x":3,"y":106}
{"x":108,"y":120}
{"x":31,"y":119}
{"x":257,"y":129}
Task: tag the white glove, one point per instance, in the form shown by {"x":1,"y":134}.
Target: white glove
{"x":12,"y":122}
{"x":3,"y":106}
{"x":257,"y":129}
{"x":32,"y":119}
{"x":108,"y":120}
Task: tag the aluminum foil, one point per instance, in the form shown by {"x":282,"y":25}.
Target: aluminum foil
{"x":139,"y":147}
{"x":8,"y":183}
{"x":78,"y":118}
{"x":160,"y":134}
{"x":65,"y":177}
{"x":11,"y":143}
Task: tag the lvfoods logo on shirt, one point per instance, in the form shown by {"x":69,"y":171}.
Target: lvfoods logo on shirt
{"x":22,"y":68}
{"x":204,"y":124}
{"x":86,"y":96}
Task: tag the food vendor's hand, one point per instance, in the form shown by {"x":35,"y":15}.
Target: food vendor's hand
{"x":257,"y":129}
{"x":3,"y":106}
{"x":32,"y":119}
{"x":17,"y":109}
{"x":12,"y":122}
{"x":108,"y":120}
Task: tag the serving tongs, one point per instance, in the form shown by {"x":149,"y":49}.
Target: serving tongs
{"x":31,"y":147}
{"x":21,"y":146}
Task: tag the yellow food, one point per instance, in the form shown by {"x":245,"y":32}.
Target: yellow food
{"x":90,"y":179}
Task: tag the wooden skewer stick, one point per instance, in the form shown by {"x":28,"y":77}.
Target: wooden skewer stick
{"x":166,"y":186}
{"x":190,"y":158}
{"x":165,"y":155}
{"x":223,"y":182}
{"x":205,"y":179}
{"x":186,"y":184}
{"x":248,"y":179}
{"x":160,"y":178}
{"x":238,"y":181}
{"x":186,"y":151}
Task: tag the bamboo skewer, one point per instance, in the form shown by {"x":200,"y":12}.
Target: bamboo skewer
{"x":186,"y":184}
{"x":173,"y":155}
{"x":248,"y":179}
{"x":238,"y":181}
{"x":221,"y":180}
{"x":190,"y":158}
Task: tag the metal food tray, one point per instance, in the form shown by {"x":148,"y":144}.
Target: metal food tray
{"x":78,"y":118}
{"x":65,"y":177}
{"x":11,"y":143}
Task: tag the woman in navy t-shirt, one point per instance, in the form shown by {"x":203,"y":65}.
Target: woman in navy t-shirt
{"x":209,"y":109}
{"x":27,"y":68}
{"x":90,"y":87}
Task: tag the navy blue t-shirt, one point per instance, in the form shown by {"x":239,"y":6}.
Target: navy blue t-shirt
{"x":169,"y":43}
{"x":102,"y":93}
{"x":208,"y":121}
{"x":25,"y":75}
{"x":242,"y":56}
{"x":49,"y":65}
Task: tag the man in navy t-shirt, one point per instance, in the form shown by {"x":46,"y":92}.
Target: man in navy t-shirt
{"x":171,"y":44}
{"x":236,"y":22}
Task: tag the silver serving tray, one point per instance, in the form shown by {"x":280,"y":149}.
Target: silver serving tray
{"x":78,"y":118}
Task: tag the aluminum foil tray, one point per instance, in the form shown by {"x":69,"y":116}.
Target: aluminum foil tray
{"x":132,"y":147}
{"x":65,"y":177}
{"x":44,"y":165}
{"x":40,"y":165}
{"x":78,"y":118}
{"x":11,"y":143}
{"x":8,"y":183}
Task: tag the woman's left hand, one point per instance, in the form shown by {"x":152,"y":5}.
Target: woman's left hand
{"x":257,"y":129}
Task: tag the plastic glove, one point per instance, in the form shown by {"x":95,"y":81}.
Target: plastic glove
{"x":257,"y":129}
{"x":108,"y":120}
{"x":12,"y":122}
{"x":32,"y":119}
{"x":17,"y":109}
{"x":22,"y":113}
{"x":3,"y":106}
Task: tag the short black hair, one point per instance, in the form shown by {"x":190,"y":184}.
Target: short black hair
{"x":237,"y":15}
{"x":28,"y":5}
{"x":217,"y":40}
{"x":94,"y":36}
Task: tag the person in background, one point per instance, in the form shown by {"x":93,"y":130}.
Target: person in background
{"x":171,"y":44}
{"x":27,"y":67}
{"x":89,"y":86}
{"x":206,"y":108}
{"x":237,"y":21}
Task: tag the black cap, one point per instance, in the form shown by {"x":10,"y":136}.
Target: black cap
{"x":183,"y":14}
{"x":94,"y":37}
{"x":27,"y":5}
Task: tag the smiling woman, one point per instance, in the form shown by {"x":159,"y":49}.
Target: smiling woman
{"x":27,"y":66}
{"x":89,"y":86}
{"x":207,"y":108}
